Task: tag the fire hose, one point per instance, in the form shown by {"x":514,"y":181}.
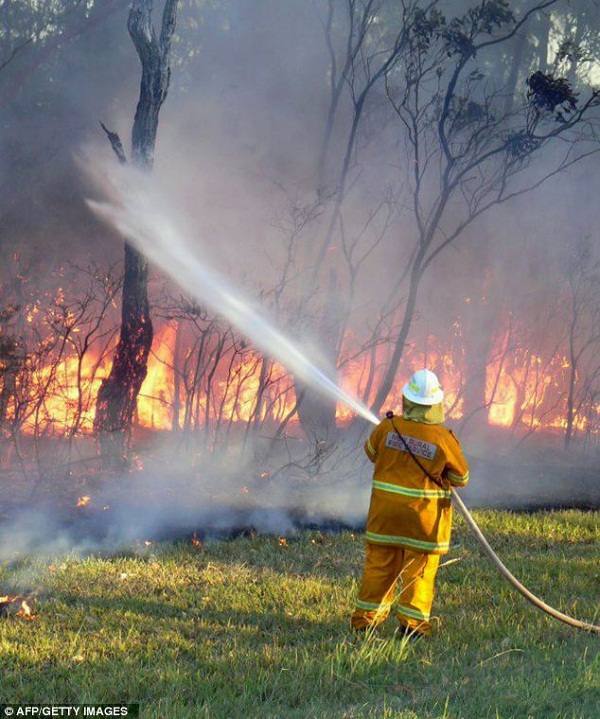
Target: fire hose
{"x":496,"y":561}
{"x":511,"y":578}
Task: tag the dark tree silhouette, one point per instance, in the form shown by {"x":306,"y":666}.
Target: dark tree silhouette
{"x":117,"y":396}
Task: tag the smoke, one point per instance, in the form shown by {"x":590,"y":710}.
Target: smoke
{"x":239,"y":137}
{"x":166,"y":502}
{"x":233,"y":192}
{"x":228,"y":498}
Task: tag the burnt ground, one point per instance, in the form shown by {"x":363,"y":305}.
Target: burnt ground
{"x":165,"y":502}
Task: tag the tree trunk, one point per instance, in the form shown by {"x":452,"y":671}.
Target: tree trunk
{"x":389,"y":376}
{"x":117,"y":396}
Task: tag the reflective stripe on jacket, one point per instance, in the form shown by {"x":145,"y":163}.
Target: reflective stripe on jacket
{"x":407,"y":508}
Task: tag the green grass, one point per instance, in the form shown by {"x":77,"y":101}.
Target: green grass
{"x":257,"y":628}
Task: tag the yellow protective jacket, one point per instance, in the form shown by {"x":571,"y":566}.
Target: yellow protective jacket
{"x":407,"y":508}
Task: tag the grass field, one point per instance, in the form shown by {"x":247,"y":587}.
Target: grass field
{"x":258,"y":627}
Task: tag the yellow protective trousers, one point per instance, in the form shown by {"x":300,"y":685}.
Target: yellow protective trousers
{"x":399,"y":580}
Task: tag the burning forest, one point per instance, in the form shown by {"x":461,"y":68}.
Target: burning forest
{"x":213,"y":406}
{"x":356,"y":190}
{"x":205,"y":381}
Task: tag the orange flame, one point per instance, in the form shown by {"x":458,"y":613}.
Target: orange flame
{"x":249,"y":388}
{"x":24,"y":610}
{"x":195,"y":541}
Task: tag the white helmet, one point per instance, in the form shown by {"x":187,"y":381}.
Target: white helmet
{"x":423,"y":388}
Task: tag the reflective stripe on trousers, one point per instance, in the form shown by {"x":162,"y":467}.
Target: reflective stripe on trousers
{"x":398,"y":580}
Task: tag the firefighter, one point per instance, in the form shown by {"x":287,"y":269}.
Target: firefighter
{"x":416,"y":461}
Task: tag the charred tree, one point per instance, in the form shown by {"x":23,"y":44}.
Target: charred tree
{"x":117,"y":396}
